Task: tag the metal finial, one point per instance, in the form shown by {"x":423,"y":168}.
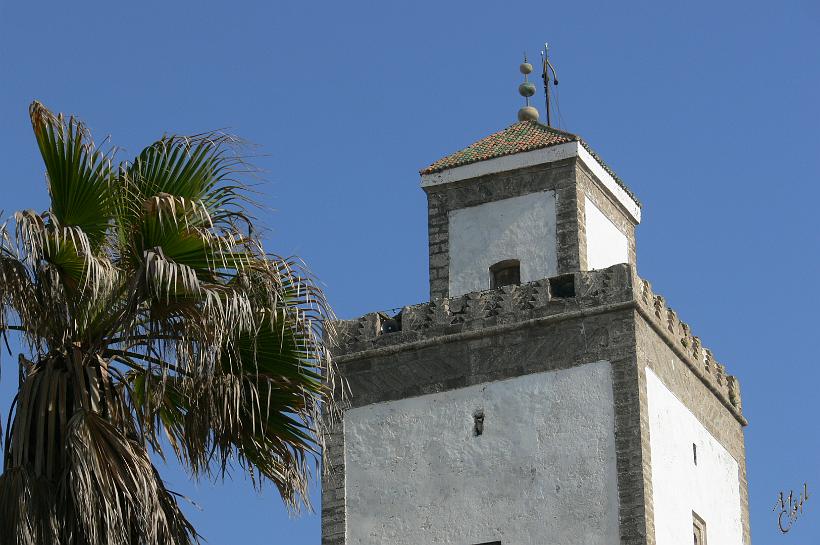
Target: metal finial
{"x":526,"y":90}
{"x":546,"y":67}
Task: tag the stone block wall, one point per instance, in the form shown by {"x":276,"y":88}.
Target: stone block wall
{"x":558,"y":176}
{"x":589,"y":185}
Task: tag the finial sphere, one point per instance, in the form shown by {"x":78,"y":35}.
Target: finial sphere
{"x":526,"y":68}
{"x":526,"y":89}
{"x":528,"y":113}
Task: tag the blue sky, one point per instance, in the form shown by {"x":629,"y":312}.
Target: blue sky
{"x":708,"y":111}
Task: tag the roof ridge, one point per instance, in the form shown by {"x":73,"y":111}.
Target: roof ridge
{"x":553,"y":129}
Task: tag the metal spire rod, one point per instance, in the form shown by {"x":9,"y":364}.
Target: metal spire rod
{"x":547,"y":66}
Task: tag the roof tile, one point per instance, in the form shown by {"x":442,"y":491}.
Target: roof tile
{"x":517,"y":138}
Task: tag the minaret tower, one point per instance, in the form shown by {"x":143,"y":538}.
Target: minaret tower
{"x":544,"y":394}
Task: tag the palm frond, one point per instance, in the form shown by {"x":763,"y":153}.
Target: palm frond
{"x":28,"y":508}
{"x":152,"y":316}
{"x":79,"y":175}
{"x":112,"y":493}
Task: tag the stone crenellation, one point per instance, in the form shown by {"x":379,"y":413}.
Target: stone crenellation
{"x":700,"y":359}
{"x":482,"y":309}
{"x":549,"y":298}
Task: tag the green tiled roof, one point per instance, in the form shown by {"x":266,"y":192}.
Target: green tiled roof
{"x":517,"y":138}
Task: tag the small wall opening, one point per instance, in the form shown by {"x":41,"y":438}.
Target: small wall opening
{"x":695,"y":453}
{"x":478,"y":423}
{"x":505,"y":273}
{"x":388,"y":324}
{"x":562,"y":286}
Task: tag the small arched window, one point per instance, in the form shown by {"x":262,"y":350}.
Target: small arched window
{"x":505,"y":273}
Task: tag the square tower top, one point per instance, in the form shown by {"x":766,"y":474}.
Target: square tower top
{"x":525,"y":203}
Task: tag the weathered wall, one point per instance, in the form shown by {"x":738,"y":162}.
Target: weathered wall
{"x":667,"y":348}
{"x":606,"y":244}
{"x":680,"y":486}
{"x":543,"y":466}
{"x":571,"y":181}
{"x":484,"y":337}
{"x":589,"y":190}
{"x":558,"y":176}
{"x":521,"y":228}
{"x":518,"y":331}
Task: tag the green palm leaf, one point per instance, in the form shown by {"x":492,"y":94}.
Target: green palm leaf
{"x":79,"y":176}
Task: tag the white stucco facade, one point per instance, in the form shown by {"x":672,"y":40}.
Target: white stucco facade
{"x":542,"y":471}
{"x":679,"y":487}
{"x":606,"y":244}
{"x":521,"y":228}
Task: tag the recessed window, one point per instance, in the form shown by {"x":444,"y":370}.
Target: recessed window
{"x":562,"y":286}
{"x":490,"y":543}
{"x":695,"y":453}
{"x":698,"y":529}
{"x":505,"y":273}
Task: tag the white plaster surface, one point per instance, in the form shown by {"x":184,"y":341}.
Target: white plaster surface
{"x":537,"y":157}
{"x":542,"y":472}
{"x":679,"y":487}
{"x":606,"y":244}
{"x":610,"y":184}
{"x":521,"y":228}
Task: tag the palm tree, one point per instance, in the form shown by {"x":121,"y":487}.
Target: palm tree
{"x":154,"y":323}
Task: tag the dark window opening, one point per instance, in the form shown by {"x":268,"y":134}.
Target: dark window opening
{"x":563,"y":286}
{"x":490,"y":543}
{"x":695,"y":453}
{"x":390,"y":325}
{"x":478,"y":425}
{"x":505,"y":273}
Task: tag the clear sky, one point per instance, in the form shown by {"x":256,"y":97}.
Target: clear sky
{"x":708,"y":110}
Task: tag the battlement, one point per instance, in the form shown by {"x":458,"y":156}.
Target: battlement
{"x":700,"y":360}
{"x":479,"y":310}
{"x":577,"y":294}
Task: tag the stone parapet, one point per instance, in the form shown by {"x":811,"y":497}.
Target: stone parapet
{"x":688,"y":347}
{"x":480,"y":310}
{"x":542,"y":300}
